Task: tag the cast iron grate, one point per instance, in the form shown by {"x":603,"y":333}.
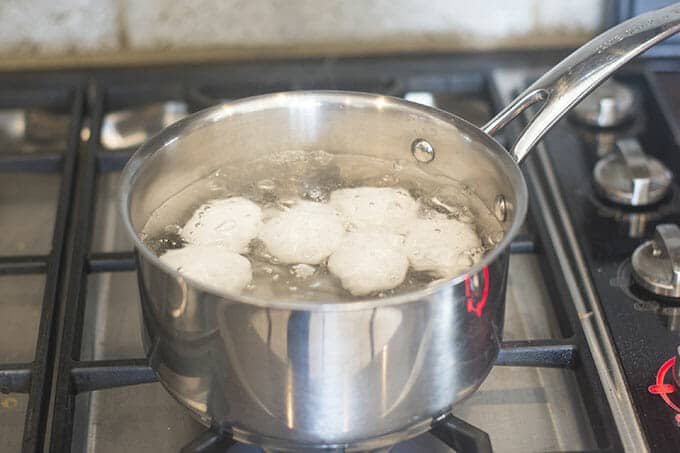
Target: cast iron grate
{"x":28,"y":95}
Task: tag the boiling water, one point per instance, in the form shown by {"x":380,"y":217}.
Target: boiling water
{"x":277,"y":182}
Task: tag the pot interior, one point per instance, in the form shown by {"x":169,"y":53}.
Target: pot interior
{"x":366,"y":137}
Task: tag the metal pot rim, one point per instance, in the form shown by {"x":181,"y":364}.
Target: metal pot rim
{"x":221,"y":112}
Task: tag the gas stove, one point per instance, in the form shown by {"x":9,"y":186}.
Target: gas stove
{"x":591,"y":331}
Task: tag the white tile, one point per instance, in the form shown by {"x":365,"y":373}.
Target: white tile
{"x":213,"y":23}
{"x":57,"y":27}
{"x":72,"y":27}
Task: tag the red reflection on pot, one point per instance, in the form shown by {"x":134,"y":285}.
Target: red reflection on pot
{"x":473,"y":305}
{"x":663,"y":389}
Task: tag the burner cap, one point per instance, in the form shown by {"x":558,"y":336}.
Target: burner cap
{"x":630,"y":176}
{"x":610,"y":105}
{"x":656,"y":263}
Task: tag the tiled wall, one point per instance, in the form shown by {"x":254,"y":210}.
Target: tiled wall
{"x":87,"y":30}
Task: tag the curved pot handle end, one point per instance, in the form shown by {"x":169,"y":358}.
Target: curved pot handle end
{"x":581,"y":72}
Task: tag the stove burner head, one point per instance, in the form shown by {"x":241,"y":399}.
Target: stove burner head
{"x":629,"y":176}
{"x":29,"y":130}
{"x":656,"y":263}
{"x":612,"y":104}
{"x":131,"y":127}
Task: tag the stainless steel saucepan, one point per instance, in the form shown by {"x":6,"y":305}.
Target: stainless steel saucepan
{"x":361,"y":375}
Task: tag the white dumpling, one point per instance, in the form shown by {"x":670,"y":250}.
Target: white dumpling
{"x":307,"y":233}
{"x":215,"y":267}
{"x":441,"y":246}
{"x":371,"y":261}
{"x":230,"y":223}
{"x":371,"y":207}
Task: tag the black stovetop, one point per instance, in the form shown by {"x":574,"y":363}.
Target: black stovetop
{"x":640,"y":323}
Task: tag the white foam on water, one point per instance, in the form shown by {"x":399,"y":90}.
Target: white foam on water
{"x":369,"y":261}
{"x":442,"y":246}
{"x":230,"y":223}
{"x":307,"y":233}
{"x":216,"y":267}
{"x":391,"y":208}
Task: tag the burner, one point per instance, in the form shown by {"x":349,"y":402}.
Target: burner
{"x":131,"y":127}
{"x":30,"y":130}
{"x":656,"y":263}
{"x":630,"y":176}
{"x":452,"y":431}
{"x":612,"y":104}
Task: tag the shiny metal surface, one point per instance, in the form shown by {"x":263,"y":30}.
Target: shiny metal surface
{"x":538,"y":409}
{"x":133,"y":126}
{"x":631,"y":177}
{"x":422,"y":150}
{"x":32,"y":129}
{"x":291,"y":374}
{"x":561,"y":88}
{"x":285,"y":374}
{"x":656,"y":263}
{"x":611,"y":104}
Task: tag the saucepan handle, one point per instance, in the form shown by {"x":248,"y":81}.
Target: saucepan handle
{"x":581,"y":72}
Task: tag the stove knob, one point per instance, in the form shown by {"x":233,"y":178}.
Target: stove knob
{"x":610,"y":105}
{"x":656,"y":263}
{"x":631,"y":177}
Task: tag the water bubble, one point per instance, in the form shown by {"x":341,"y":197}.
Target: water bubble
{"x":302,"y":271}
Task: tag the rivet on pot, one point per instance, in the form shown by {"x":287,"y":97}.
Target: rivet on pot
{"x":501,"y":208}
{"x":422,"y":150}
